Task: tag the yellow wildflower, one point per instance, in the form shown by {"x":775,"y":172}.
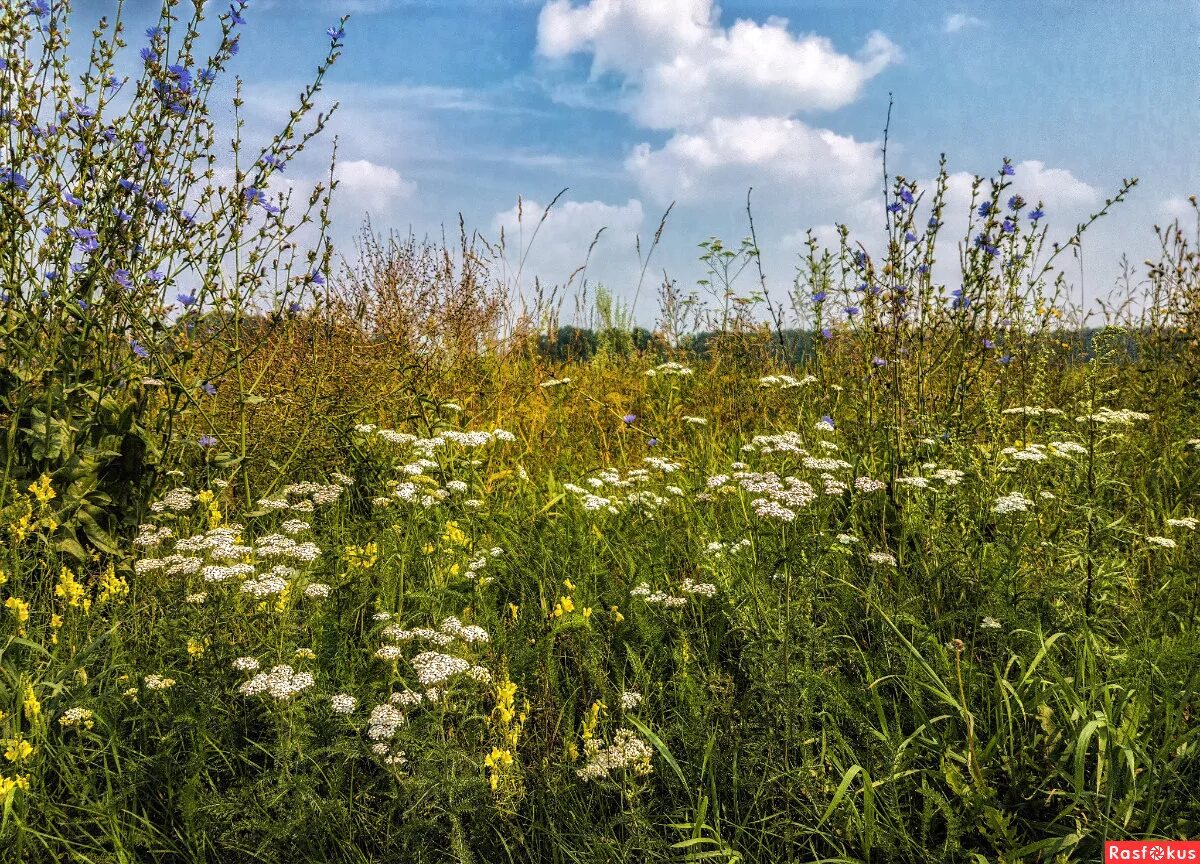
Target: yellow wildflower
{"x":454,"y":535}
{"x":361,"y":557}
{"x":281,"y":604}
{"x":42,"y":490}
{"x":111,"y":585}
{"x":33,"y":708}
{"x":69,"y":589}
{"x":18,"y":750}
{"x":19,"y":609}
{"x":8,"y":786}
{"x":195,"y":648}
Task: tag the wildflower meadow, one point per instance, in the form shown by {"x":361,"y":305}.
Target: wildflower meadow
{"x":307,"y":556}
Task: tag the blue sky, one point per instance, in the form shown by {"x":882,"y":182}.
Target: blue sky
{"x":450,"y":106}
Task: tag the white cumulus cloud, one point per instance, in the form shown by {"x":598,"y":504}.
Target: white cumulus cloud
{"x":371,"y":187}
{"x":680,"y":67}
{"x":728,"y":154}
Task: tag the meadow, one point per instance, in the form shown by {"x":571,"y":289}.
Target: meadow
{"x":310,"y":557}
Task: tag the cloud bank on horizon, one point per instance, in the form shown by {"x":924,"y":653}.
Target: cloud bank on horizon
{"x":458,"y":107}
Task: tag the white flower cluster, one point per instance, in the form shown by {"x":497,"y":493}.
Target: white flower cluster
{"x":317,"y":590}
{"x":177,"y":500}
{"x":813,"y":463}
{"x":717,"y":549}
{"x":949,"y":476}
{"x":280,"y":683}
{"x":433,"y":668}
{"x":785,"y":382}
{"x":784,"y":442}
{"x":264,"y":586}
{"x":342,"y":703}
{"x":246,"y":664}
{"x":75,"y":717}
{"x":384,"y":721}
{"x":626,"y":751}
{"x":914,"y":482}
{"x":670,"y":368}
{"x":882,"y":558}
{"x":158,"y":682}
{"x":695,"y":421}
{"x":1161,"y":542}
{"x":1028,"y":453}
{"x":867,"y":484}
{"x":1014,"y":502}
{"x":1064,"y":448}
{"x":554,"y":382}
{"x":657,"y":598}
{"x":1031,"y":411}
{"x":630,"y":699}
{"x":150,"y":536}
{"x":664,"y":465}
{"x":765,"y":508}
{"x":704,"y":589}
{"x":1114,"y":417}
{"x":426,"y":446}
{"x":1188,"y":522}
{"x":280,"y":546}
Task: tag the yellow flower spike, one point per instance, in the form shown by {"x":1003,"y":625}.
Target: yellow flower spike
{"x":68,"y":588}
{"x":3,"y":577}
{"x":112,"y":586}
{"x":587,"y":612}
{"x":568,"y":604}
{"x":616,"y":613}
{"x":514,"y":610}
{"x":195,"y":648}
{"x":33,"y":708}
{"x":281,"y":604}
{"x":42,"y":490}
{"x":570,"y":586}
{"x":19,"y":609}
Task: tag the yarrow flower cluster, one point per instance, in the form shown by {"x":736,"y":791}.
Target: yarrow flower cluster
{"x":627,"y":751}
{"x":281,"y":683}
{"x":1014,"y":502}
{"x":671,"y":369}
